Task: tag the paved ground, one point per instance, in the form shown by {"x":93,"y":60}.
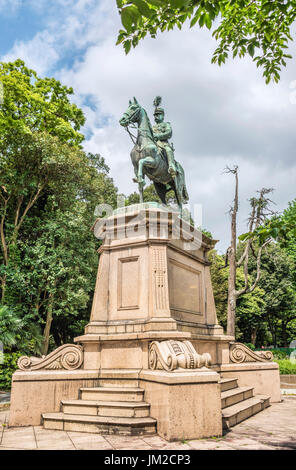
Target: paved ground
{"x":4,"y":396}
{"x":272,"y":429}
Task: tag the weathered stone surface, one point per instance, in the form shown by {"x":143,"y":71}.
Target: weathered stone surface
{"x":68,"y":357}
{"x":241,"y":353}
{"x":272,"y":429}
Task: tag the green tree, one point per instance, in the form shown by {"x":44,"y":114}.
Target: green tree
{"x":30,"y":167}
{"x":34,"y":104}
{"x":258,"y":28}
{"x":49,"y":188}
{"x":250,"y":307}
{"x":39,"y":148}
{"x":149,"y":196}
{"x":250,"y":316}
{"x":219,"y":276}
{"x":51,"y":275}
{"x":288,"y":220}
{"x":280,"y":296}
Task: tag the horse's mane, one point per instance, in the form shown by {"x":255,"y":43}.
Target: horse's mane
{"x":149,"y":123}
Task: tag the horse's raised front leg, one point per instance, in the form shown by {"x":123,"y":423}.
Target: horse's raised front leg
{"x":147,"y":161}
{"x":140,"y":184}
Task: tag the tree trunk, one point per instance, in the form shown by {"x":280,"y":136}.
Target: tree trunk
{"x":46,"y":332}
{"x":231,"y":304}
{"x":3,"y":287}
{"x":284,"y":334}
{"x":253,"y":336}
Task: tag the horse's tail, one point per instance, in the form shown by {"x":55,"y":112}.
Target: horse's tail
{"x":183,"y":191}
{"x":185,"y":194}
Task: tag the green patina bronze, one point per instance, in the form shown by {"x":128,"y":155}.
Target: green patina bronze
{"x":153,"y":155}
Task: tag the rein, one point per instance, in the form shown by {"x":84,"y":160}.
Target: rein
{"x":141,"y":132}
{"x":132,"y":136}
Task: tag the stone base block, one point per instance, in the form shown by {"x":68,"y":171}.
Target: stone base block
{"x":37,"y":392}
{"x":263,"y":376}
{"x":186,"y":405}
{"x":119,"y":351}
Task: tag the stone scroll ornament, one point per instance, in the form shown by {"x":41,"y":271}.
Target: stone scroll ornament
{"x":171,"y":355}
{"x":241,"y":353}
{"x":68,"y":356}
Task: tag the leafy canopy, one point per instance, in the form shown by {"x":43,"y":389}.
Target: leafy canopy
{"x":34,"y":104}
{"x":259,"y":28}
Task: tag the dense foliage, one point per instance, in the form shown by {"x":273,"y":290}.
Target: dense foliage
{"x":258,"y":28}
{"x":286,"y":366}
{"x":49,"y":188}
{"x":7,"y":368}
{"x":267,"y":316}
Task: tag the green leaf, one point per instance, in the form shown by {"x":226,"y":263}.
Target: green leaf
{"x":127,"y":46}
{"x":202,"y":20}
{"x":129,"y":16}
{"x":158,"y":3}
{"x":251,"y":49}
{"x":194,"y":21}
{"x":143,"y":8}
{"x":178,"y":3}
{"x":208,"y":21}
{"x":244,"y":236}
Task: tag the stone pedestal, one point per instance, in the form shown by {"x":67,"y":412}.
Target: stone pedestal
{"x":153,"y":331}
{"x":186,"y":405}
{"x":153,"y":284}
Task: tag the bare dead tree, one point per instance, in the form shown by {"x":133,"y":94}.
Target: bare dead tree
{"x":260,"y":211}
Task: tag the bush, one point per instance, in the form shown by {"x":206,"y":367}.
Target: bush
{"x":7,"y":368}
{"x":286,"y":366}
{"x":278,"y":354}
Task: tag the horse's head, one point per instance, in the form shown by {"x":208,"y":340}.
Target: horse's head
{"x":132,"y":113}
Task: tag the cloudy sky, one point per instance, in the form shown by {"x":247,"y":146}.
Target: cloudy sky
{"x":220,"y":116}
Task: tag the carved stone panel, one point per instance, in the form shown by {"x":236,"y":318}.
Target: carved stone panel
{"x":171,"y":355}
{"x":128,"y":283}
{"x":159,"y":280}
{"x":185,"y":288}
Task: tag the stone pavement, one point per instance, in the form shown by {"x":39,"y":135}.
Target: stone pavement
{"x":272,"y":429}
{"x":4,"y":397}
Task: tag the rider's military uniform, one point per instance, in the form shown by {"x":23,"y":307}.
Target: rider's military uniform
{"x":162,"y":132}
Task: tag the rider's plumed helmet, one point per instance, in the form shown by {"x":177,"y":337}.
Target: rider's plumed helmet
{"x":158,"y":109}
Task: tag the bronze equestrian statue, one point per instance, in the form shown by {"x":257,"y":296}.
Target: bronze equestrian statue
{"x":153,"y":155}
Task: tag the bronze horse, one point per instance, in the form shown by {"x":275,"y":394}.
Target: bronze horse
{"x":148,"y":159}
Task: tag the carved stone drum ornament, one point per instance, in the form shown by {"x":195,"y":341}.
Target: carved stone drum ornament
{"x":171,"y":355}
{"x":68,"y":357}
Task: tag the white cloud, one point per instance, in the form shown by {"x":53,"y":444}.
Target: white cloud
{"x":9,"y":6}
{"x":40,"y":53}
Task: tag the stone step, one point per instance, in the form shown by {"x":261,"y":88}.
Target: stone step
{"x":234,"y":414}
{"x":112,"y":394}
{"x":228,"y":384}
{"x":236,"y":395}
{"x":99,"y":424}
{"x":115,"y":383}
{"x":119,"y":378}
{"x":104,"y":408}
